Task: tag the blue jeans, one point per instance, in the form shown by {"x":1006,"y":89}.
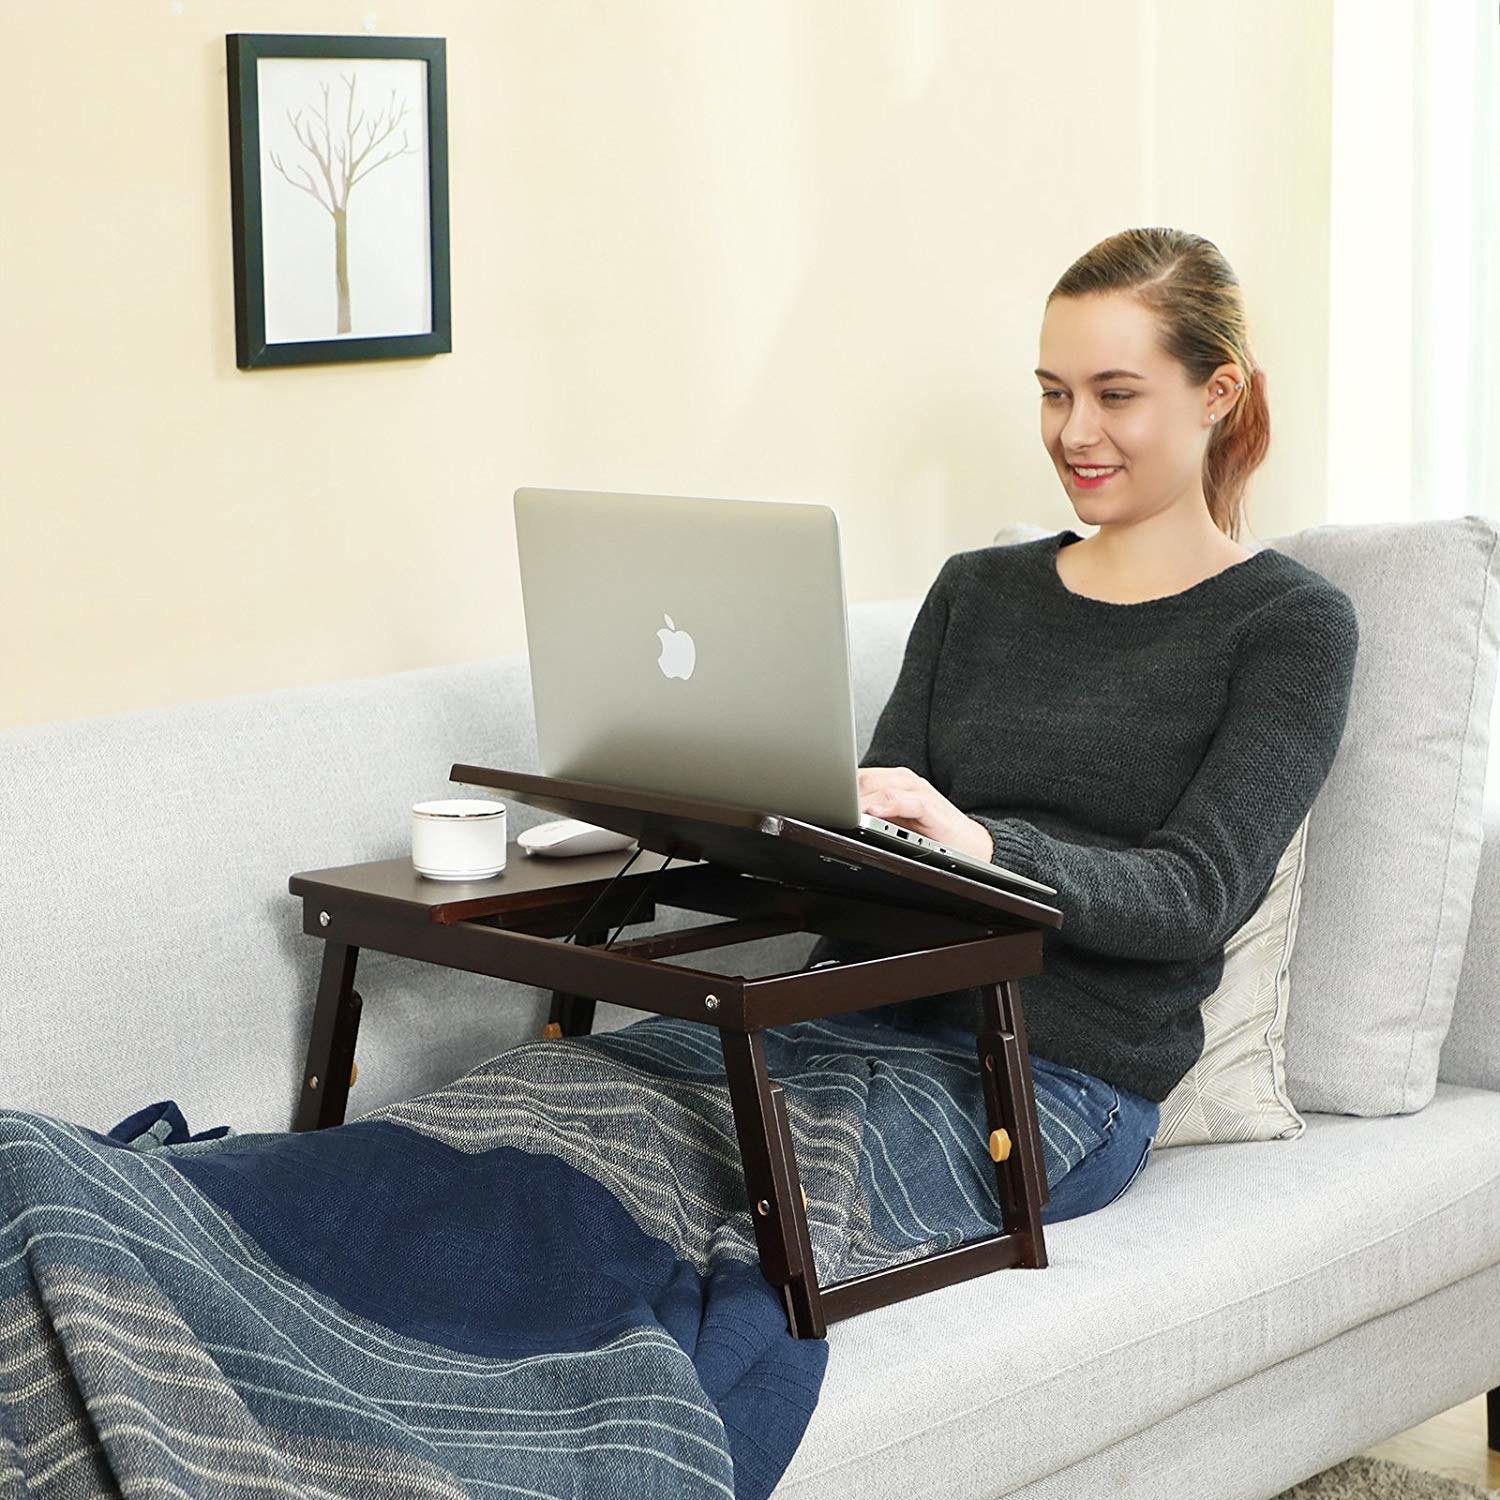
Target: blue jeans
{"x":1096,"y":1136}
{"x":1124,"y":1124}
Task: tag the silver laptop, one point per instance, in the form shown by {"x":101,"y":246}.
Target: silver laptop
{"x":700,"y":648}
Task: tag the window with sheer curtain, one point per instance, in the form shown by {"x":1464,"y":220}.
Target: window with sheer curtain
{"x":1414,"y":261}
{"x":1414,"y":267}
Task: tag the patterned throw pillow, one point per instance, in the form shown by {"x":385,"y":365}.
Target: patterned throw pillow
{"x":1237,"y":1089}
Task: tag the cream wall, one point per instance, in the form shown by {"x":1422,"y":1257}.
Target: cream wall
{"x":790,"y":250}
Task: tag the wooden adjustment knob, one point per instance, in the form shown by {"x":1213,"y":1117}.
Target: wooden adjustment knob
{"x":353,"y":1074}
{"x":553,"y":1030}
{"x":999,"y":1145}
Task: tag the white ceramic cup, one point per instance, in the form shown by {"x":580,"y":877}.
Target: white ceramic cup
{"x":458,"y":838}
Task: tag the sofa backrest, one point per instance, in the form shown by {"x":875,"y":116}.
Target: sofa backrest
{"x":151,"y":948}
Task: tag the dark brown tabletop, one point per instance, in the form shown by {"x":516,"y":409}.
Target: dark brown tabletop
{"x":771,"y":846}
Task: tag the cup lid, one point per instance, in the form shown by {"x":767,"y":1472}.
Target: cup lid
{"x":459,"y":807}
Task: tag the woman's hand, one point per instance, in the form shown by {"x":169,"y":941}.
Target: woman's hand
{"x":899,"y":795}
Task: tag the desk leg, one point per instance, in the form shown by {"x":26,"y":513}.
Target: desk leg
{"x":573,"y":1015}
{"x":801,"y":1294}
{"x":1012,"y":1020}
{"x":1010,"y":1106}
{"x":330,"y":1049}
{"x":570,"y":1015}
{"x":776,"y":1207}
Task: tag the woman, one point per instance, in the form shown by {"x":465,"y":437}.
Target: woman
{"x":1140,"y":718}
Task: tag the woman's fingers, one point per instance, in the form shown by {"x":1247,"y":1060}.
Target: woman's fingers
{"x":888,"y":779}
{"x":894,"y":792}
{"x":897,"y":806}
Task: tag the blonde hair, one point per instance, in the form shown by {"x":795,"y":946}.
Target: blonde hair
{"x":1200,"y":310}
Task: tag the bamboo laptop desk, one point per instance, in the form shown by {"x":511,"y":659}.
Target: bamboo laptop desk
{"x":767,"y":875}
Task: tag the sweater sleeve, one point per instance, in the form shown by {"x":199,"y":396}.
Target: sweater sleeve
{"x":1196,"y":880}
{"x":900,"y":734}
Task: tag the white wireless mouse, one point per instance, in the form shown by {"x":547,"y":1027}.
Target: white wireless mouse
{"x":569,"y":836}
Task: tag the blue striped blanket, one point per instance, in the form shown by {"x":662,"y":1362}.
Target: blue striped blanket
{"x":539,"y":1280}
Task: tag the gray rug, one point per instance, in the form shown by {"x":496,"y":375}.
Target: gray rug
{"x":1379,"y":1479}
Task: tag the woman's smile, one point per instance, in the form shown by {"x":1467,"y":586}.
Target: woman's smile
{"x":1091,"y":478}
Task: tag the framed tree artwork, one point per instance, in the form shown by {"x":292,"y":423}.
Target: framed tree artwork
{"x":338,"y":151}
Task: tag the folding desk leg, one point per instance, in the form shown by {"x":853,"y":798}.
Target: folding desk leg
{"x":776,"y":1207}
{"x":1020,"y":1180}
{"x":573,"y":1015}
{"x":801,"y":1294}
{"x":330,"y":1049}
{"x":1012,"y":1020}
{"x":570,"y":1015}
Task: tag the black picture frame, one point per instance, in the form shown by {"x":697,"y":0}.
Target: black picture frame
{"x":244,"y":53}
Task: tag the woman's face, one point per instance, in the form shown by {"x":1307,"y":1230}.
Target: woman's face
{"x":1111,"y":399}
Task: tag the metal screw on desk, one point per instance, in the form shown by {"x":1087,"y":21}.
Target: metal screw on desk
{"x":763,"y":1208}
{"x":711,"y":1001}
{"x":989,"y":1061}
{"x":324,"y":919}
{"x":312,"y":1082}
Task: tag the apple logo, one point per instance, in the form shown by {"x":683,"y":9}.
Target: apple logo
{"x":677,"y":651}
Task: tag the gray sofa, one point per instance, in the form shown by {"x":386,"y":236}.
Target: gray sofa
{"x":1245,"y":1316}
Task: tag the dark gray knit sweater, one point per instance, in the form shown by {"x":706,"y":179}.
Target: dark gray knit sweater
{"x":1151,"y":761}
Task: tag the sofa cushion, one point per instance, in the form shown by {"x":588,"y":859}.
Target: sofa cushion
{"x":1394,"y":835}
{"x":159,"y":953}
{"x":1298,"y":1418}
{"x":1393,"y":848}
{"x":1220,"y":1262}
